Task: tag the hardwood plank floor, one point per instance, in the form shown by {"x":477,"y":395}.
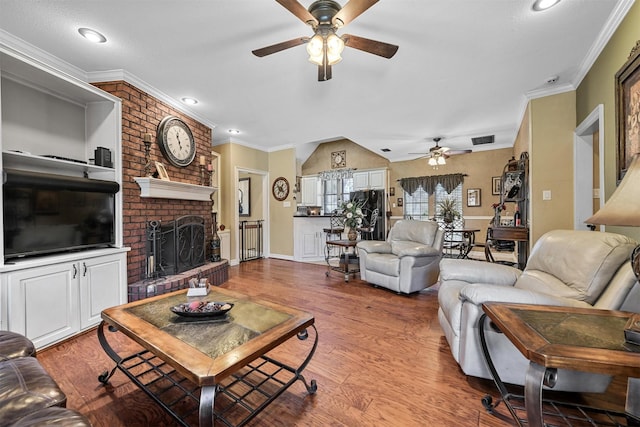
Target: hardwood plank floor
{"x":382,"y":360}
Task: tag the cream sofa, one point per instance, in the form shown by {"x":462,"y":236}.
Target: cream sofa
{"x":408,"y":261}
{"x":566,"y":268}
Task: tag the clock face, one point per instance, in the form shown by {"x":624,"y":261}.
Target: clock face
{"x":280,"y":188}
{"x":176,"y":141}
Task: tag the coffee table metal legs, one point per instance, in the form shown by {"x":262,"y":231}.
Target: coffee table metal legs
{"x":187,"y":402}
{"x":537,"y":376}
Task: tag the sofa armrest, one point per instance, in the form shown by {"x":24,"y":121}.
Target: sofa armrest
{"x":402,"y":249}
{"x":471,"y":271}
{"x":480,"y":293}
{"x":374,"y":246}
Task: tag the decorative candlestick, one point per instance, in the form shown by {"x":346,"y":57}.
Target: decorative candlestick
{"x":147,"y":154}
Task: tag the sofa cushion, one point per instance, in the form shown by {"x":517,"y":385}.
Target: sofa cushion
{"x":402,"y":248}
{"x":575,"y":264}
{"x":54,"y":416}
{"x":387,"y":264}
{"x":416,"y":231}
{"x":14,"y":345}
{"x":26,"y":387}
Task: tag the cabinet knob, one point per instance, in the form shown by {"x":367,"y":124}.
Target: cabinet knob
{"x":75,"y":271}
{"x":84,"y":269}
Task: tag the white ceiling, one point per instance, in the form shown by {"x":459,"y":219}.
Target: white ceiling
{"x":465,"y":68}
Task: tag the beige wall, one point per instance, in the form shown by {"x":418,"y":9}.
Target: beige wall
{"x":357,"y":157}
{"x":598,"y":87}
{"x":282,"y":163}
{"x":553,"y":121}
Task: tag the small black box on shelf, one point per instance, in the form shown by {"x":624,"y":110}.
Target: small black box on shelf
{"x":102,"y":157}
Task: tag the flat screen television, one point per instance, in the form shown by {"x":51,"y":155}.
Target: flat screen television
{"x":46,"y":213}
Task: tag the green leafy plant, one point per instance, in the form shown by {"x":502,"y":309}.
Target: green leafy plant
{"x":448,"y":211}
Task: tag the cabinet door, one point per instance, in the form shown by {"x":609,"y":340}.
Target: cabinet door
{"x":360,"y":180}
{"x":102,"y":285}
{"x":43,"y":302}
{"x":377,"y":179}
{"x":309,"y":189}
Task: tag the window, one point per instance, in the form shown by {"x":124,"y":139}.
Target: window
{"x":416,"y":206}
{"x":336,"y":191}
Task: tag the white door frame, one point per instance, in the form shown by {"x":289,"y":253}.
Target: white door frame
{"x":265,"y":209}
{"x":583,"y":166}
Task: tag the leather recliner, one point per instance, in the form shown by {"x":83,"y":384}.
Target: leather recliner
{"x":566,"y":268}
{"x":408,"y":261}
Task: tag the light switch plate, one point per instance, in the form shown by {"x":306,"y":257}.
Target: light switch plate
{"x":546,"y":195}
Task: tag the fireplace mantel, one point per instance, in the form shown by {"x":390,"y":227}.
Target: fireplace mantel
{"x":159,"y":188}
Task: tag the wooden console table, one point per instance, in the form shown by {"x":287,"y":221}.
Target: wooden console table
{"x":517,"y":234}
{"x":562,"y":337}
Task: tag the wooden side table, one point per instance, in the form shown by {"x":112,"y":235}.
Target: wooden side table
{"x":562,"y":337}
{"x":517,"y":234}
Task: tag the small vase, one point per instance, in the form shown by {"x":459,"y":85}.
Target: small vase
{"x":352,"y":234}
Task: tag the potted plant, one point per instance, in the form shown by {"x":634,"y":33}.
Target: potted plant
{"x":448,"y":211}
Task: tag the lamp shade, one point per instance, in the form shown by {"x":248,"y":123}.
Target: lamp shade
{"x":623,"y":207}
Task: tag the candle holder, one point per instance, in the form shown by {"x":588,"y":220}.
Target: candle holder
{"x":147,"y":154}
{"x":202,"y":176}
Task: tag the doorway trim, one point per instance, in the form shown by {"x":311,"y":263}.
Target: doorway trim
{"x":265,"y":208}
{"x":583,"y":166}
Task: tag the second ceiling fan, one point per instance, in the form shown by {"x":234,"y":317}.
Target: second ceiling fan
{"x":437,"y":155}
{"x":325,"y":46}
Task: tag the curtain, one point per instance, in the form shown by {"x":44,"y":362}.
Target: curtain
{"x":428,"y":183}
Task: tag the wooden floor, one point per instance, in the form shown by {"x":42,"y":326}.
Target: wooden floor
{"x":382,"y":360}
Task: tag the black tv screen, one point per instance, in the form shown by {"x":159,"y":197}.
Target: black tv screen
{"x":46,"y":213}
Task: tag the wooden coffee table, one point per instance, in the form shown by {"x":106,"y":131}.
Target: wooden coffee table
{"x":580,"y":339}
{"x":205,"y":369}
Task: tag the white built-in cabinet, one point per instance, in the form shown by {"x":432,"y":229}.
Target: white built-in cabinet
{"x":47,"y":112}
{"x":369,"y":180}
{"x":55,"y":301}
{"x":310,"y":190}
{"x":309,"y":238}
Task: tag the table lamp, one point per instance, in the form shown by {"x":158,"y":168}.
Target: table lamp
{"x":623,"y":208}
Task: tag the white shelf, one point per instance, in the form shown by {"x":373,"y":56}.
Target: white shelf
{"x":159,"y":188}
{"x":21,"y":160}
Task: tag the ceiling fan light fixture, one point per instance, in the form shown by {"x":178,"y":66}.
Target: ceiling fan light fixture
{"x":433,"y":162}
{"x":335,"y":46}
{"x":441,"y":160}
{"x":315,"y":48}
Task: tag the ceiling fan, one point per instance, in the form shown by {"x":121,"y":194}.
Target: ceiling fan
{"x":437,"y":155}
{"x":325,"y":17}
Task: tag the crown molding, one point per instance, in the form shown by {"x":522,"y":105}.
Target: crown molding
{"x":124,"y":75}
{"x":610,"y":27}
{"x":30,"y":53}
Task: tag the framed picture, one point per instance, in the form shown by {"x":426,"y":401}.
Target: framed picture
{"x":399,"y":201}
{"x":244,"y":197}
{"x":162,"y":172}
{"x":392,"y":191}
{"x":496,"y":185}
{"x":473,"y":197}
{"x":628,"y":111}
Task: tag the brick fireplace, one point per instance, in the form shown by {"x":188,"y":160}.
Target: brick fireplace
{"x":141,"y":114}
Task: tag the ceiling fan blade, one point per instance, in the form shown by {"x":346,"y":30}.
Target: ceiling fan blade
{"x":280,"y":46}
{"x":351,"y":11}
{"x":385,"y":50}
{"x":454,"y":152}
{"x":300,"y":11}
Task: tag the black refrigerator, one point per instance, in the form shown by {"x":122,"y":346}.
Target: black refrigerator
{"x":373,"y":199}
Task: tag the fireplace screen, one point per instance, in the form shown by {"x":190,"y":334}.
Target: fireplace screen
{"x":176,"y":246}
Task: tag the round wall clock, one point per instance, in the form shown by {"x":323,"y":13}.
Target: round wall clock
{"x":176,"y":141}
{"x":280,"y":188}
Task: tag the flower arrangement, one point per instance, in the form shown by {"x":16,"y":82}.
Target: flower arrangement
{"x":352,"y":213}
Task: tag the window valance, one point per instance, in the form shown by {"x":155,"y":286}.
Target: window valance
{"x":336,"y":174}
{"x":429,"y":183}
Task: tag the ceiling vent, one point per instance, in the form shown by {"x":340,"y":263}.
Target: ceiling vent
{"x":483,"y":140}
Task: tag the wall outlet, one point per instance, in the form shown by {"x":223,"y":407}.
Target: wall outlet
{"x":546,"y":195}
{"x":286,"y":204}
{"x":596,"y":193}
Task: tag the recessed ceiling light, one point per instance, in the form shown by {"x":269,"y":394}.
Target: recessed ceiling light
{"x":386,"y":150}
{"x":92,"y":35}
{"x":234,"y":131}
{"x":539,"y":5}
{"x":189,"y":101}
